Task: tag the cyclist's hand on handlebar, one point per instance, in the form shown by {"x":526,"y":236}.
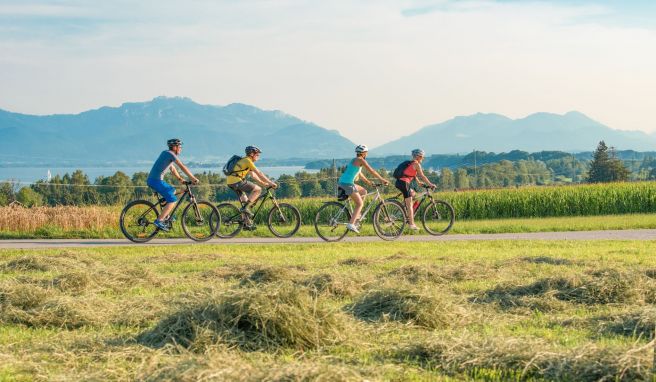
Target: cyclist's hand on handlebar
{"x":195,"y":181}
{"x":385,"y":182}
{"x":273,"y":185}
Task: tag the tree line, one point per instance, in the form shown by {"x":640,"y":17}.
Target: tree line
{"x":78,"y":189}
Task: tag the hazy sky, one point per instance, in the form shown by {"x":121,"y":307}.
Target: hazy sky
{"x":373,"y":70}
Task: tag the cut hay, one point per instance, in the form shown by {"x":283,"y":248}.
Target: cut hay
{"x":266,"y":275}
{"x":606,"y":286}
{"x":638,"y":323}
{"x":415,"y":274}
{"x":406,"y":306}
{"x":355,"y":262}
{"x":527,"y":358}
{"x":326,"y":283}
{"x":546,"y":260}
{"x":263,"y":317}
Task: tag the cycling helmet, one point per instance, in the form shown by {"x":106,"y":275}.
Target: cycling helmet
{"x":418,"y":152}
{"x":252,"y":149}
{"x":361,"y":149}
{"x":174,"y":142}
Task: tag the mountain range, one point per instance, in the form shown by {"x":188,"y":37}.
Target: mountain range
{"x":138,"y":131}
{"x":571,"y":132}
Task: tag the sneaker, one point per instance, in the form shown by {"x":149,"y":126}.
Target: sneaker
{"x":250,"y":227}
{"x":352,"y":227}
{"x":413,"y":227}
{"x":161,"y":225}
{"x":247,"y":211}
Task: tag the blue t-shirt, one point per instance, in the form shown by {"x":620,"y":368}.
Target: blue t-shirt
{"x":162,"y":164}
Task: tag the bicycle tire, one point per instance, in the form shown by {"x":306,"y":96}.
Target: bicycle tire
{"x":289,"y":211}
{"x":206,"y":227}
{"x":438,"y":210}
{"x":231,"y":220}
{"x":148,"y":229}
{"x":340,"y":215}
{"x":393,"y":213}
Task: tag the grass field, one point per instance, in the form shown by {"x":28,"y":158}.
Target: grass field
{"x":579,"y":311}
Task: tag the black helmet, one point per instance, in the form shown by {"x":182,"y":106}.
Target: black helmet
{"x":252,"y":149}
{"x":174,"y":142}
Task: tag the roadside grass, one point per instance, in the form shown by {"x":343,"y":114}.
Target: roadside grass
{"x":493,"y":311}
{"x":519,"y":225}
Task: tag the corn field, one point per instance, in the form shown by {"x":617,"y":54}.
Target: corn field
{"x":525,"y":202}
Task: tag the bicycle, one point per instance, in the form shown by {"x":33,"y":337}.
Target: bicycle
{"x":283,"y":219}
{"x":200,"y":219}
{"x":438,"y":216}
{"x":388,"y":218}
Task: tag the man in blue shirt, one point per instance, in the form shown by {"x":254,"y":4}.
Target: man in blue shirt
{"x":156,"y":179}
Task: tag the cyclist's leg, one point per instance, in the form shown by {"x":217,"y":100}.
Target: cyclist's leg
{"x":408,"y":193}
{"x":357,"y":199}
{"x":168,"y":193}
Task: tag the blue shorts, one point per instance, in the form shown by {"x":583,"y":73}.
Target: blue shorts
{"x":164,"y":189}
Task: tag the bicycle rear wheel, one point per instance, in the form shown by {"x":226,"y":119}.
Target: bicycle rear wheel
{"x":200,"y":220}
{"x":438,"y":217}
{"x":284,"y":220}
{"x":389,"y":219}
{"x":231,"y":220}
{"x":137,"y":219}
{"x":330,"y":221}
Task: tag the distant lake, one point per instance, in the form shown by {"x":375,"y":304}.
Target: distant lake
{"x":32,"y":174}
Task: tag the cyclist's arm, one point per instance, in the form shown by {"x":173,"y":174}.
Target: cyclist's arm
{"x":175,"y":173}
{"x":420,"y":173}
{"x":186,"y":170}
{"x":260,"y":177}
{"x":364,"y":178}
{"x":374,"y":172}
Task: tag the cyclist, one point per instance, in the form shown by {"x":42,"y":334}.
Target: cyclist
{"x":346,"y":184}
{"x":411,"y":171}
{"x":156,"y":179}
{"x":237,"y":179}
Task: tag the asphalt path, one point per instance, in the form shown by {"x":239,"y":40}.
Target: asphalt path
{"x":633,"y":234}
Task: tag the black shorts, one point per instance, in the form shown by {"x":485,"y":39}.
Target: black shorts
{"x":404,"y":187}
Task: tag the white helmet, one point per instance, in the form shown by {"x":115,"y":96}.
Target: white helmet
{"x":418,"y":152}
{"x":361,"y":149}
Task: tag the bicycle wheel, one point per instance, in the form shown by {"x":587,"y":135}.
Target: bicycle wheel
{"x":231,"y":220}
{"x":389,"y":219}
{"x":284,"y":220}
{"x":137,"y":219}
{"x":438,"y":217}
{"x":330,"y":221}
{"x":200,"y":220}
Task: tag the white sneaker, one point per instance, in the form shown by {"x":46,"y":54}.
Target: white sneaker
{"x":352,"y":227}
{"x":413,"y":227}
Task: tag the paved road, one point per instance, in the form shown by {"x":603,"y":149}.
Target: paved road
{"x":641,"y":234}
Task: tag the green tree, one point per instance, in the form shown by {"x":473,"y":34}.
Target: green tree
{"x":605,"y":166}
{"x":461,"y":179}
{"x":447,"y":180}
{"x":29,"y":198}
{"x":289,"y":187}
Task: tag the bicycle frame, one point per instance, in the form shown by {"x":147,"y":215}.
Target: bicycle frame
{"x":424,"y":195}
{"x":363,"y":215}
{"x":187,"y":192}
{"x":260,"y":201}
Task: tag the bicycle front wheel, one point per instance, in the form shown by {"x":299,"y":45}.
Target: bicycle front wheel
{"x":438,"y":217}
{"x":330,"y":221}
{"x":284,"y":220}
{"x":137,"y":219}
{"x":231,"y":220}
{"x":389,"y":219}
{"x":200,"y":220}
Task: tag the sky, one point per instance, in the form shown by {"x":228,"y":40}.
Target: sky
{"x":374,"y":70}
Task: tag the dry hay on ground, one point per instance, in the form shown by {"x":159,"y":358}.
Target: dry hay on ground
{"x":522,"y":358}
{"x":407,"y":306}
{"x":262,"y":317}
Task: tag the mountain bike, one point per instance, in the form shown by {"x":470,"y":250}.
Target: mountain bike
{"x":388,"y":217}
{"x":437,"y":217}
{"x":200,"y":219}
{"x":283,"y":219}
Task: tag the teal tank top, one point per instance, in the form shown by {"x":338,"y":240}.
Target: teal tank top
{"x":349,"y":175}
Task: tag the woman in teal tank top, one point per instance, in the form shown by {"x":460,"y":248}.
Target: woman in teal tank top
{"x":346,"y":184}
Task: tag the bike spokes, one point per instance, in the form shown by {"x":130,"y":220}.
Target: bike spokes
{"x":231,"y":220}
{"x":330,"y":221}
{"x":284,"y":220}
{"x":200,"y":221}
{"x":438,"y":217}
{"x":137,"y":221}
